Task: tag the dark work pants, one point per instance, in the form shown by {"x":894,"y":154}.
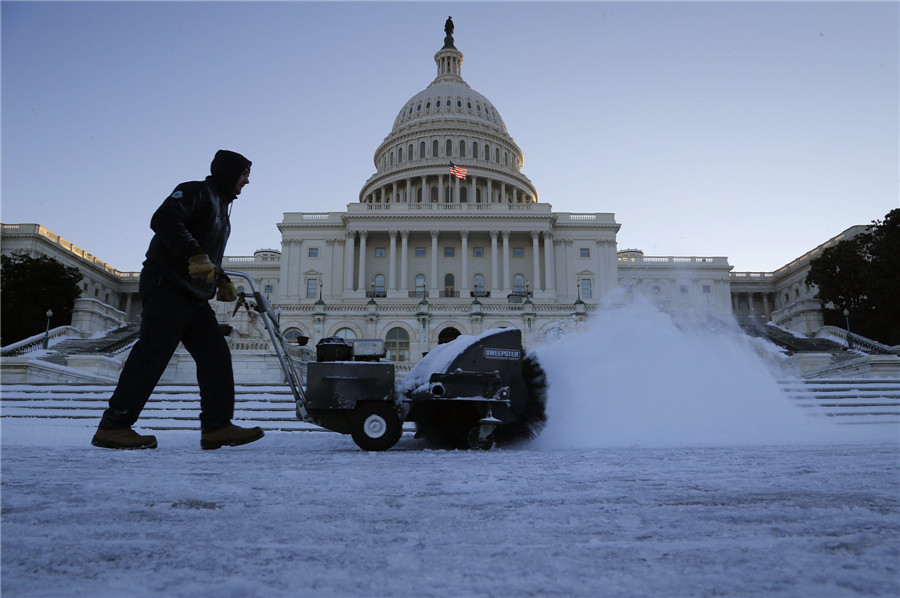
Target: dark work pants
{"x":169,"y":317}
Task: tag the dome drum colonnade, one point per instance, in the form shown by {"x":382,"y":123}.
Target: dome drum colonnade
{"x":448,"y":122}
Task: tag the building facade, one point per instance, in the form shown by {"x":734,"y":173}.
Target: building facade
{"x":449,"y":237}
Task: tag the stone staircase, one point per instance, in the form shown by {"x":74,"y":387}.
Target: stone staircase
{"x":112,"y":342}
{"x":863,"y":401}
{"x":856,"y":402}
{"x":170,"y":407}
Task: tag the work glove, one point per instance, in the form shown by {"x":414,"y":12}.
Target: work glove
{"x":201,"y":268}
{"x":226,"y":291}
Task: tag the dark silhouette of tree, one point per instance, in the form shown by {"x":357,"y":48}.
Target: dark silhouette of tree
{"x":862,"y":275}
{"x":29,"y":286}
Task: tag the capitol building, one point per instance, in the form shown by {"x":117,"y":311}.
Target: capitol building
{"x":447,"y":237}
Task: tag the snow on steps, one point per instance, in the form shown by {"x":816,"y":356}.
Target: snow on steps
{"x":862,"y":401}
{"x":170,"y":407}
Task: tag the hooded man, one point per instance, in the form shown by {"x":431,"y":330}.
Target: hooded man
{"x":181,"y":274}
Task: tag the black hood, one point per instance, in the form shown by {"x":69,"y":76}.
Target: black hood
{"x":225,"y":170}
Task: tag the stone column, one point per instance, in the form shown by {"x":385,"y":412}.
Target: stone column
{"x":284,"y":270}
{"x":536,"y":259}
{"x":392,"y":266}
{"x":434,"y":263}
{"x":404,"y":260}
{"x":506,"y":286}
{"x":495,"y":288}
{"x":362,"y":260}
{"x":464,"y":286}
{"x":349,"y":254}
{"x":549,"y":273}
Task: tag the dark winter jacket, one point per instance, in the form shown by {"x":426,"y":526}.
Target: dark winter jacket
{"x":193,"y":220}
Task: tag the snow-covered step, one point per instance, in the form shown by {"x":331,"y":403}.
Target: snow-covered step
{"x":170,"y":407}
{"x":863,"y":401}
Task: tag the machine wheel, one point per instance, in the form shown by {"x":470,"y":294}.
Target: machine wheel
{"x":376,"y":426}
{"x":480,"y":444}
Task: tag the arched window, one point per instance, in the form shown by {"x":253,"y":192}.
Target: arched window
{"x":519,"y":283}
{"x":409,"y":152}
{"x":478,"y":282}
{"x":400,"y":155}
{"x":345,"y":333}
{"x":419,"y":195}
{"x":462,"y":149}
{"x":422,"y":150}
{"x":434,"y":194}
{"x":449,"y":285}
{"x":392,"y":159}
{"x":291,"y":334}
{"x":379,"y":286}
{"x":474,"y":149}
{"x":396,"y":344}
{"x":434,"y":149}
{"x":463,"y":194}
{"x":487,"y":152}
{"x":449,"y":148}
{"x":447,"y":334}
{"x":497,"y":155}
{"x":420,"y":285}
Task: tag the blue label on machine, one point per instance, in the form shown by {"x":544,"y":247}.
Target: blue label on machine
{"x":502,"y":353}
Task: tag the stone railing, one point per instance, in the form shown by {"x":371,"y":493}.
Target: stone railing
{"x":860,"y":343}
{"x":36,"y":342}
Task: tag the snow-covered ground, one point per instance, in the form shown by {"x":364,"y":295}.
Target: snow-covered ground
{"x":671,"y":466}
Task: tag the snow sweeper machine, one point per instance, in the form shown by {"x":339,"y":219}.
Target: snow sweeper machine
{"x":469,"y":393}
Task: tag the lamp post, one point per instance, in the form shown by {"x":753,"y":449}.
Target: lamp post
{"x":49,"y":315}
{"x":849,"y":338}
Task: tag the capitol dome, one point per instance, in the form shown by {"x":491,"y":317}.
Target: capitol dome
{"x":448,"y":122}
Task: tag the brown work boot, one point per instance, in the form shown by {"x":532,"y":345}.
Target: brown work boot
{"x":124,"y":438}
{"x":230,"y":435}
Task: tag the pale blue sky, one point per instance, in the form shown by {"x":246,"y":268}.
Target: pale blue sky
{"x":753,"y":131}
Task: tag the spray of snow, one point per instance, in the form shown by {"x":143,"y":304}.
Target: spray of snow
{"x":633,"y":377}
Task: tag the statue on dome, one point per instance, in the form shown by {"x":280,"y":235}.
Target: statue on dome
{"x":448,"y":29}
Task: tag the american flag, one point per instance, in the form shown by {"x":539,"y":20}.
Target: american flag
{"x":458,"y":171}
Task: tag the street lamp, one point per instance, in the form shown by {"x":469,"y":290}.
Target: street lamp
{"x":49,"y":315}
{"x":849,"y":338}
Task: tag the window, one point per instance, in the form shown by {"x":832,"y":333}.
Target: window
{"x":449,"y":285}
{"x":478,"y":252}
{"x":497,"y":156}
{"x":434,"y":148}
{"x":420,"y":285}
{"x":518,"y":252}
{"x":684,"y":289}
{"x":474,"y":149}
{"x":519,"y":283}
{"x":400,"y":155}
{"x":478,"y":282}
{"x":396,"y":344}
{"x":345,"y":333}
{"x":313,"y":252}
{"x":292,"y":334}
{"x":379,"y":286}
{"x":584,"y":252}
{"x":586,"y":292}
{"x":449,"y":145}
{"x":449,"y":251}
{"x":269,"y":289}
{"x":462,"y":149}
{"x":422,"y":150}
{"x":379,"y":252}
{"x":707,"y":289}
{"x":420,"y":252}
{"x":312,"y":286}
